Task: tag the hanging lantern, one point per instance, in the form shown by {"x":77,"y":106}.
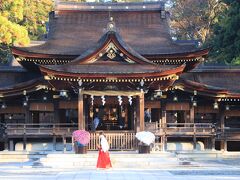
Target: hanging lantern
{"x":215,"y":105}
{"x":91,"y":114}
{"x":25,"y":103}
{"x":123,"y":114}
{"x":141,"y":85}
{"x":4,"y":106}
{"x":227,"y":107}
{"x":44,"y":98}
{"x":24,"y":92}
{"x":63,"y":93}
{"x":194,"y":103}
{"x":158,"y":92}
{"x":195,"y":92}
{"x":175,"y":98}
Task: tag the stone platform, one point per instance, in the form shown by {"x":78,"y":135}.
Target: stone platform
{"x":127,"y":160}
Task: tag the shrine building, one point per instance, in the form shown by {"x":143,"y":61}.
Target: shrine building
{"x":117,"y":62}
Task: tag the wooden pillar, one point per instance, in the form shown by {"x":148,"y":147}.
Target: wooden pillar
{"x":223,"y":143}
{"x":194,"y":142}
{"x":126,"y":116}
{"x":11,"y":145}
{"x":54,"y":143}
{"x":73,"y":147}
{"x":6,"y":145}
{"x":56,"y":112}
{"x":137,"y":125}
{"x":191,"y":115}
{"x":191,"y":120}
{"x":164,"y":115}
{"x":163,"y":126}
{"x":194,"y":138}
{"x":141,"y":103}
{"x":24,"y":142}
{"x":140,"y":113}
{"x":64,"y":144}
{"x":134,"y":110}
{"x":81,"y":119}
{"x":213,"y":142}
{"x":131,"y":116}
{"x":27,"y":115}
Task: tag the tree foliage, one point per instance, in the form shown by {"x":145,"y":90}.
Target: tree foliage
{"x":35,"y":16}
{"x":193,"y":19}
{"x":225,"y":42}
{"x":11,"y":14}
{"x":20,"y":19}
{"x":101,"y":1}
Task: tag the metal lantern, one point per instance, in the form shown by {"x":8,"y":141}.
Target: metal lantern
{"x":215,"y":105}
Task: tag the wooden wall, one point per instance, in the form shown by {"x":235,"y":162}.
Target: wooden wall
{"x":41,"y":107}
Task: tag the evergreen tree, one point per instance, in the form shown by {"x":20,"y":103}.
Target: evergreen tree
{"x":225,"y":42}
{"x":193,"y":19}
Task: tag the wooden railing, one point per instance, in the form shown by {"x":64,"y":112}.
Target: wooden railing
{"x":124,"y":140}
{"x":118,"y":140}
{"x":67,"y":129}
{"x":182,"y":129}
{"x":40,"y":129}
{"x":228,"y":133}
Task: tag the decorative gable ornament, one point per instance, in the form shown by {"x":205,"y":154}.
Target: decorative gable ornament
{"x":111,"y":25}
{"x":111,"y":54}
{"x":111,"y":50}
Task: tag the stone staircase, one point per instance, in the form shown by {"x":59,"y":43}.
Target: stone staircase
{"x":20,"y":156}
{"x":199,"y":155}
{"x":206,"y":155}
{"x":118,"y":159}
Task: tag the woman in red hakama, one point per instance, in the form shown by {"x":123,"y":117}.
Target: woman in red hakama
{"x":103,"y":155}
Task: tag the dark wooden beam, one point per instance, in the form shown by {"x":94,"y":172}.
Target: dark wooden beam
{"x":140,"y":112}
{"x":191,"y":114}
{"x":81,"y":119}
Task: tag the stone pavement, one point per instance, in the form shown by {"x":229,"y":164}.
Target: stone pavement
{"x":119,"y":174}
{"x":171,"y":168}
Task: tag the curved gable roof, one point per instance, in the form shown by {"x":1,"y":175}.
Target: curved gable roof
{"x":72,"y":32}
{"x":111,"y":48}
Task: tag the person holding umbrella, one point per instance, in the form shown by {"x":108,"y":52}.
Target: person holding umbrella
{"x":81,"y":138}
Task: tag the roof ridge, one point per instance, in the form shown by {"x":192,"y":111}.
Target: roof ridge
{"x":113,"y":6}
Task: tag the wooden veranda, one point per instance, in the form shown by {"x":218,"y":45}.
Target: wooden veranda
{"x":118,"y":140}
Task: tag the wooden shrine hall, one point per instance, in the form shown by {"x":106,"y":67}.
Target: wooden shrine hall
{"x":117,"y":62}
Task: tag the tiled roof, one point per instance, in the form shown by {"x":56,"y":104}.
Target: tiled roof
{"x":72,"y":32}
{"x":216,"y":78}
{"x":109,"y":69}
{"x":113,"y":6}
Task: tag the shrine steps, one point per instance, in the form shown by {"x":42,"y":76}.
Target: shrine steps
{"x":206,"y":155}
{"x":132,"y":160}
{"x":118,"y":159}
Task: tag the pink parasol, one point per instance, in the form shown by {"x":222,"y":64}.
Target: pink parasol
{"x":82,"y":136}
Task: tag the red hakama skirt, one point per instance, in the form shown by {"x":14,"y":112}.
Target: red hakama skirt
{"x":103,"y":160}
